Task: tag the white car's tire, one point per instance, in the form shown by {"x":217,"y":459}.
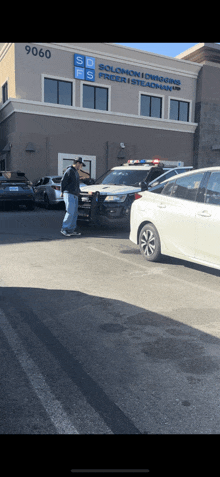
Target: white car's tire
{"x":149,"y":242}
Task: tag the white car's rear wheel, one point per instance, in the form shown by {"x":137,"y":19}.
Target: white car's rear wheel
{"x":149,"y":242}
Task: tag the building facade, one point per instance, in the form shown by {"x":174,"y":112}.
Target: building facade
{"x":108,"y":104}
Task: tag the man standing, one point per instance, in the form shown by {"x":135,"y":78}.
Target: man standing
{"x":70,"y":191}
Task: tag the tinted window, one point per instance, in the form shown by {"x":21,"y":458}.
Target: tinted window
{"x":187,"y":187}
{"x":166,"y":176}
{"x":125,"y":177}
{"x":179,"y":110}
{"x":56,"y":180}
{"x":174,"y":109}
{"x":154,"y":174}
{"x":145,"y":105}
{"x":65,"y":93}
{"x":168,"y":188}
{"x":183,"y":111}
{"x":50,"y":91}
{"x":58,"y":92}
{"x":46,"y":180}
{"x":151,"y":106}
{"x":101,"y":99}
{"x":180,"y":170}
{"x":88,"y":97}
{"x":5,"y":92}
{"x":156,"y":107}
{"x":95,"y":97}
{"x":13,"y":176}
{"x":157,"y":189}
{"x":212,"y":195}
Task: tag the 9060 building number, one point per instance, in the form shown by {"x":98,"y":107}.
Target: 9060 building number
{"x":35,"y":52}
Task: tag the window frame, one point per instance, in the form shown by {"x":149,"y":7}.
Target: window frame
{"x":58,"y":78}
{"x":95,"y":86}
{"x":5,"y":92}
{"x":181,"y":100}
{"x":159,"y":96}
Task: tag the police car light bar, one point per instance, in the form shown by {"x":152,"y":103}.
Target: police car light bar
{"x":143,"y":161}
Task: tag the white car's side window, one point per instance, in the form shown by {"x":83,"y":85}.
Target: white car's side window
{"x":212,"y":195}
{"x":187,"y":187}
{"x":168,"y":187}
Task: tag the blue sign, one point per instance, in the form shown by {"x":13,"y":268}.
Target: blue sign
{"x":84,"y":67}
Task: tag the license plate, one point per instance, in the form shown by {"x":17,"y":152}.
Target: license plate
{"x":15,"y":189}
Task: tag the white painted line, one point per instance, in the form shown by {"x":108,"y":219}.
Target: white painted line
{"x":181,"y":280}
{"x":118,"y":258}
{"x":53,"y":407}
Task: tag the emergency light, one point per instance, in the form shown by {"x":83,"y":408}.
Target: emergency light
{"x":154,"y":162}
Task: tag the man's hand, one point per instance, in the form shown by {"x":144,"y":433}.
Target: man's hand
{"x":61,"y":194}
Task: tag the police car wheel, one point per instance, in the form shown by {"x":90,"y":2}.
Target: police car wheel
{"x":149,"y":242}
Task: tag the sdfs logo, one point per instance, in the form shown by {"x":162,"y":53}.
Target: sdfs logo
{"x":84,"y":67}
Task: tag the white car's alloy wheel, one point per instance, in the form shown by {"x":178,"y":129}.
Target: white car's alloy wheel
{"x":149,"y":242}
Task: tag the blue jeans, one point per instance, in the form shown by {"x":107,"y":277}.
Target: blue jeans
{"x":70,"y":218}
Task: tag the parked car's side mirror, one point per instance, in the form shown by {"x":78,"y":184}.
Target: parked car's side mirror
{"x":143,"y":185}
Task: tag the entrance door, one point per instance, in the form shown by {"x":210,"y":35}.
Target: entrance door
{"x":65,"y":160}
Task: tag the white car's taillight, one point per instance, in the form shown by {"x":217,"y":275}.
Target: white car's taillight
{"x":137,"y":196}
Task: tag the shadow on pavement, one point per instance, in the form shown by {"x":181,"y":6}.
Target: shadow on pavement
{"x":115,"y":353}
{"x":42,"y":225}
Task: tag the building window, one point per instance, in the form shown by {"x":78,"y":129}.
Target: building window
{"x":95,"y":97}
{"x":5,"y":92}
{"x":151,"y":106}
{"x":179,"y":110}
{"x":57,"y":91}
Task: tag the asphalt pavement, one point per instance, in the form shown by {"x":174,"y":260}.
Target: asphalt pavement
{"x":97,"y":342}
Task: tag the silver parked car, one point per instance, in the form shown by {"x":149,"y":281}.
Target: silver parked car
{"x":47,"y":191}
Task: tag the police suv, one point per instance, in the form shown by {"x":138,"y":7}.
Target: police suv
{"x":109,"y":199}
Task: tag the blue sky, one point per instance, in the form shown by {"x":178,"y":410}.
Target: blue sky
{"x":168,"y":49}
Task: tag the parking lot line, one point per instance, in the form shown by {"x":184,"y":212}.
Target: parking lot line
{"x":118,"y":258}
{"x":181,"y":280}
{"x":53,"y":407}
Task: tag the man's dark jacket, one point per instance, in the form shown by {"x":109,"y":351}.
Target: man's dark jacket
{"x":70,"y":181}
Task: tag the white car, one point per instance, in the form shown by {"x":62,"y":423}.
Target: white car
{"x":182,"y":221}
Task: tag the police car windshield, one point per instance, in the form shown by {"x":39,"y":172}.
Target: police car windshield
{"x":123,"y":177}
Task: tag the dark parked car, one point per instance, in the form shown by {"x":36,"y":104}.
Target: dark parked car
{"x":16,"y":189}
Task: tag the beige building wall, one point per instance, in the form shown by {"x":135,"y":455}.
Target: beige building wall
{"x":7,"y":69}
{"x":124,"y":98}
{"x":55,"y":130}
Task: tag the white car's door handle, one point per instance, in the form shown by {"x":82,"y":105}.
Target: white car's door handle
{"x":162,"y":206}
{"x":204,"y":213}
